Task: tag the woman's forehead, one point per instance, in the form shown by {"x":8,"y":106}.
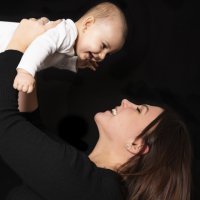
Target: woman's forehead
{"x":154,"y":109}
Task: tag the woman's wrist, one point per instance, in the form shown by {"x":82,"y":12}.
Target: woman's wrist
{"x":15,"y":45}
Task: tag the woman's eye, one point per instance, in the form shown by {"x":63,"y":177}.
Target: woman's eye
{"x":138,"y":109}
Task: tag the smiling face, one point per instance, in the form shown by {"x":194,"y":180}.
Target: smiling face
{"x":123,"y":124}
{"x":98,"y":38}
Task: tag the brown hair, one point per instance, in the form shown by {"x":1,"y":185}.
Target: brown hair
{"x":164,"y":173}
{"x":111,"y":11}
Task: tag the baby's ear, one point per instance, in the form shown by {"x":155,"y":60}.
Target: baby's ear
{"x":88,"y":21}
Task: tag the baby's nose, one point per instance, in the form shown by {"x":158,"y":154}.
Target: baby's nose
{"x":102,"y":55}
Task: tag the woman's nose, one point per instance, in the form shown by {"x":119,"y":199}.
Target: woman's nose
{"x":125,"y":103}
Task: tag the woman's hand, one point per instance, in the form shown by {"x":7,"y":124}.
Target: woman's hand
{"x":28,"y":30}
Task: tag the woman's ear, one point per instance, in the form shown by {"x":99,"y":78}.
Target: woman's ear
{"x":135,"y":147}
{"x":87,"y":22}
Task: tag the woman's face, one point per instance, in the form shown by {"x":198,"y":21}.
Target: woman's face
{"x":125,"y":122}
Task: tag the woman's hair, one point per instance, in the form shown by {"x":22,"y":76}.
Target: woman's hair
{"x":108,"y":10}
{"x":164,"y":173}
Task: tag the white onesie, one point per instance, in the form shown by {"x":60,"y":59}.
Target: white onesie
{"x":54,"y":48}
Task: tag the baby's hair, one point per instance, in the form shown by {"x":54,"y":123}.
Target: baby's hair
{"x":111,"y":11}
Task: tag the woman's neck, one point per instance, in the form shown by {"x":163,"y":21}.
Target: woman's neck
{"x":103,"y":157}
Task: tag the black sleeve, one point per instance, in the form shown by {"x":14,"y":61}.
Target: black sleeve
{"x":34,"y":117}
{"x":53,"y":170}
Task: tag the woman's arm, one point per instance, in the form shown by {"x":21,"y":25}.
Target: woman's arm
{"x":28,"y":102}
{"x":53,"y":170}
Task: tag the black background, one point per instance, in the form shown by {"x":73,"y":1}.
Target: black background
{"x":160,"y":60}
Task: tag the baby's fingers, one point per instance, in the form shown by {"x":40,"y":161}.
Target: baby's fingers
{"x":24,"y":88}
{"x":21,"y":87}
{"x":30,"y":89}
{"x":15,"y":84}
{"x":93,"y":65}
{"x":92,"y":68}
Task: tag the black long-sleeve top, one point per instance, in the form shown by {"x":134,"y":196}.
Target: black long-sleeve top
{"x":52,"y":170}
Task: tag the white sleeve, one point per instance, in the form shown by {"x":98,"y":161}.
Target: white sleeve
{"x":62,"y":61}
{"x":6,"y":32}
{"x":54,"y":40}
{"x":68,"y":63}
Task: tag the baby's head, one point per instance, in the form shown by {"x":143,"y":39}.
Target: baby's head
{"x":101,"y":30}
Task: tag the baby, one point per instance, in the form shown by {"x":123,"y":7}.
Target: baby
{"x":70,"y":45}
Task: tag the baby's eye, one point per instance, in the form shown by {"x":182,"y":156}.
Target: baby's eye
{"x":103,"y":46}
{"x":138,"y":109}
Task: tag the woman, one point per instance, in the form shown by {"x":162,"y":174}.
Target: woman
{"x":143,"y":151}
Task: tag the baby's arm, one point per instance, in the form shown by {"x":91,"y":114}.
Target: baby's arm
{"x":33,"y":59}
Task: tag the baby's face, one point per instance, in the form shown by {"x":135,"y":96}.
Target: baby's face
{"x":98,"y":39}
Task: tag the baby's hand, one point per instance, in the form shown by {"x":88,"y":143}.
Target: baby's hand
{"x":24,"y":81}
{"x":81,"y":64}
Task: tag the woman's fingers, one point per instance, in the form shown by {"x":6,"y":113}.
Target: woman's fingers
{"x":28,"y":30}
{"x":43,"y":20}
{"x":52,"y":24}
{"x":32,"y":19}
{"x":46,"y":22}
